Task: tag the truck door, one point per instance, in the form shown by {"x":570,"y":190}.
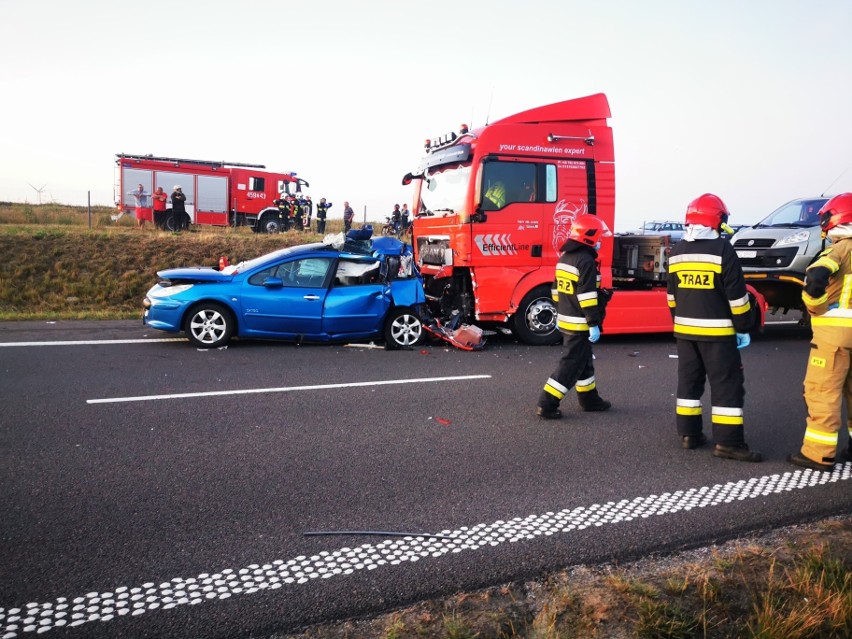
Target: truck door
{"x":516,"y":200}
{"x":212,"y":201}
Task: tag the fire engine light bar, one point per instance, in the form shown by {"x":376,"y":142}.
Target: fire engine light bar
{"x":556,"y":138}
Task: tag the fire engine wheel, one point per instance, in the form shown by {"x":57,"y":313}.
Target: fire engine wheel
{"x":403,"y":329}
{"x":209,"y":325}
{"x":535,"y":319}
{"x":270,"y":224}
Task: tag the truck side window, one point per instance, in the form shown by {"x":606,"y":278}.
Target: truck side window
{"x":506,"y":182}
{"x":257,"y":183}
{"x":550,"y":182}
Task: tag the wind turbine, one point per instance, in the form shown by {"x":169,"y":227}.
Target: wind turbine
{"x":39,"y":191}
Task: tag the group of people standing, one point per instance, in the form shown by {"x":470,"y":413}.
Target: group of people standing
{"x":295,"y":211}
{"x":400,"y":220}
{"x":159,"y":205}
{"x":712,"y":316}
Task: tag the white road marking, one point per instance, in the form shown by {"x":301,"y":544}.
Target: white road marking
{"x":41,"y":617}
{"x":95,"y":342}
{"x":284,"y":389}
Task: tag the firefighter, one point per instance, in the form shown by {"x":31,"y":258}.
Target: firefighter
{"x":298,"y":213}
{"x":712,"y":315}
{"x":283,"y":211}
{"x":828,"y":378}
{"x":580,"y":316}
{"x":496,"y":194}
{"x":322,"y":212}
{"x":309,"y":211}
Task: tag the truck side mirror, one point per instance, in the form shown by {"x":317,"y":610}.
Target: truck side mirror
{"x":479,"y":216}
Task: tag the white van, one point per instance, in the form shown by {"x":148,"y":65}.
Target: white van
{"x":775,"y":252}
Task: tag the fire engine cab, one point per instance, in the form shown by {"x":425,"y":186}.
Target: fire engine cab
{"x":493,"y":206}
{"x":217,"y":193}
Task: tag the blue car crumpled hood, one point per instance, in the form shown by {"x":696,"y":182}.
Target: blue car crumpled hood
{"x":194,"y":274}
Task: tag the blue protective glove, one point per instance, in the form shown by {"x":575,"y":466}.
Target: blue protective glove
{"x":831,"y":307}
{"x":743,"y":340}
{"x":594,"y":333}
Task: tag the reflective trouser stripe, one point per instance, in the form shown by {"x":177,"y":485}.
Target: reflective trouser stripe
{"x":826,"y":383}
{"x":727,"y":416}
{"x":688,"y":406}
{"x":821,"y":438}
{"x":585,"y":385}
{"x":554,"y":388}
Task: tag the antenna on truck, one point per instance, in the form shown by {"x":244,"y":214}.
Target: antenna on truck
{"x":130,"y":156}
{"x":835,"y":180}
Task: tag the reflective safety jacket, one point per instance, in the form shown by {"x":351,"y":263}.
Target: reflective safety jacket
{"x":497,"y":194}
{"x":575,"y":289}
{"x":828,"y":287}
{"x":706,"y":291}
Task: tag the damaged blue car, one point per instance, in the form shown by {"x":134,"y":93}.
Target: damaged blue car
{"x":342,"y":289}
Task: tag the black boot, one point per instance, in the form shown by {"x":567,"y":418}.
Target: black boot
{"x":693,"y":441}
{"x":800,"y":460}
{"x":592,"y":402}
{"x":739,"y":452}
{"x":548,"y":413}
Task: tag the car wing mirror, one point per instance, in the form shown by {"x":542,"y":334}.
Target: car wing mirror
{"x":273,"y":282}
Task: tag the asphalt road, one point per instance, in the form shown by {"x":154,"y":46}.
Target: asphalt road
{"x":150,"y":489}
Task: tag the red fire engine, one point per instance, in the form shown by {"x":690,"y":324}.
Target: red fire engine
{"x":493,"y":205}
{"x":217,"y":193}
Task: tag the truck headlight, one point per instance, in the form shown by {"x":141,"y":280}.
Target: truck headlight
{"x":795,"y":238}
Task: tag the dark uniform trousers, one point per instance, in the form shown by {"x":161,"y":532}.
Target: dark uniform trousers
{"x":720,"y":361}
{"x":576,"y":366}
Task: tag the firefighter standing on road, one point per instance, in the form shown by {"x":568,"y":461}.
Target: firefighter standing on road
{"x":580,"y":316}
{"x":828,"y":299}
{"x":712,"y":315}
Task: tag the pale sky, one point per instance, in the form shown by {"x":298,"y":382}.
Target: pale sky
{"x":749,"y":99}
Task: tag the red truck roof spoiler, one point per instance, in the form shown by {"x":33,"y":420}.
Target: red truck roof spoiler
{"x":591,"y":107}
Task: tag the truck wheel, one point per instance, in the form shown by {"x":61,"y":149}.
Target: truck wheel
{"x":209,"y":325}
{"x":269,"y":224}
{"x":535,"y":319}
{"x":403,"y":329}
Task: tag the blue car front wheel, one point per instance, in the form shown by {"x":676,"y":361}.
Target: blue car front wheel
{"x":209,"y":325}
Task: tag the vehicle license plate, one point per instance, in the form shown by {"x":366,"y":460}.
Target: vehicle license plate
{"x":747,"y":254}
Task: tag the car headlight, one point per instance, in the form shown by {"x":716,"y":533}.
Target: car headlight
{"x":795,"y":238}
{"x":167,"y":291}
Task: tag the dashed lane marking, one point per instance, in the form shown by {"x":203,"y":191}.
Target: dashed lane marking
{"x":284,"y":389}
{"x":95,"y":342}
{"x":40,"y":617}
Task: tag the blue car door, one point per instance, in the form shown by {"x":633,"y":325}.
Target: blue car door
{"x":287,"y":299}
{"x":358,"y":300}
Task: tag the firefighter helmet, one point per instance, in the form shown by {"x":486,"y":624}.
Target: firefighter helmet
{"x":707,"y":210}
{"x":588,"y":229}
{"x":838,"y":210}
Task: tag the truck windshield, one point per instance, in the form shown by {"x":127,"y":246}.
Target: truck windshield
{"x":796,"y":213}
{"x":444,"y":189}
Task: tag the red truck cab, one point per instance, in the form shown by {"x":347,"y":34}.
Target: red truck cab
{"x":493,"y":206}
